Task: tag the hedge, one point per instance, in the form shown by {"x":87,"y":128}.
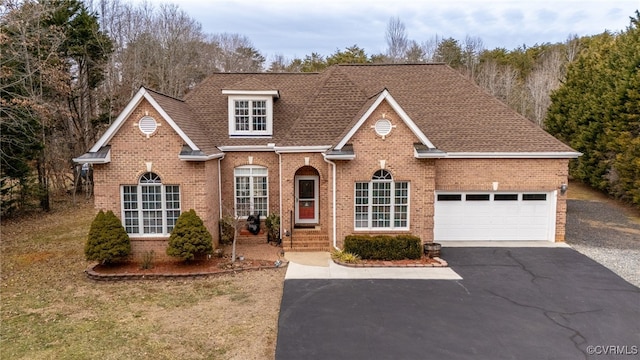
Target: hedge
{"x":384,"y":247}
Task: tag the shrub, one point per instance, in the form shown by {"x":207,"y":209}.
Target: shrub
{"x":108,"y":241}
{"x":345,"y":257}
{"x":272,"y":223}
{"x":384,"y":247}
{"x":227,"y":230}
{"x":189,"y":237}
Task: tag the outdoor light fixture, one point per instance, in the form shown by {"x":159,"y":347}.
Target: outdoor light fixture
{"x":563,"y":189}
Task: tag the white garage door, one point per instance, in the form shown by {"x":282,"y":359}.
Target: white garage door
{"x":495,"y":216}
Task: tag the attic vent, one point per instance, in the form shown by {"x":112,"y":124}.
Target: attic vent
{"x":383,"y":127}
{"x":147,"y":125}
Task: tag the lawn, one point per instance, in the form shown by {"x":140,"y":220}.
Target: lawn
{"x":50,"y":310}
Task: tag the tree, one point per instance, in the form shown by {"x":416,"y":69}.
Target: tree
{"x":449,"y":52}
{"x":33,"y":79}
{"x":189,"y":237}
{"x":351,"y":55}
{"x":108,"y":241}
{"x":397,"y":40}
{"x":596,"y":112}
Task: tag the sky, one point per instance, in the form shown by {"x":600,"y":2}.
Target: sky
{"x":298,"y":28}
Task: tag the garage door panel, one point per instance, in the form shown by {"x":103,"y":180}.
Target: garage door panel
{"x":503,"y":219}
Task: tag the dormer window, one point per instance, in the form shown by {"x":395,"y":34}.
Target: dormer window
{"x":250,"y":113}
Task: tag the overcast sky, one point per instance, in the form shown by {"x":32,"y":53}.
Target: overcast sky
{"x":298,"y":28}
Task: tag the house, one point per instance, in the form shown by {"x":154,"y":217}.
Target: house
{"x":373,"y":149}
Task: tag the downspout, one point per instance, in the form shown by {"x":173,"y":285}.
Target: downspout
{"x":220,"y":186}
{"x":334,"y":231}
{"x":280,"y":187}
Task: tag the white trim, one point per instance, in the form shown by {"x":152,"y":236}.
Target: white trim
{"x":385,"y":95}
{"x":200,"y":157}
{"x":301,"y":149}
{"x":128,"y":110}
{"x":140,"y":209}
{"x":252,"y":195}
{"x":252,"y":148}
{"x":340,"y":157}
{"x":511,"y":155}
{"x":316,"y":198}
{"x":268,"y":132}
{"x":105,"y":160}
{"x":272,"y":93}
{"x":392,"y":206}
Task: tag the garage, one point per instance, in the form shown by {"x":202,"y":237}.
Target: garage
{"x":486,"y":216}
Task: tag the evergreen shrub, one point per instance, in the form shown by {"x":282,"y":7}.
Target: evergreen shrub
{"x":384,"y":247}
{"x":189,"y":238}
{"x":108,"y":242}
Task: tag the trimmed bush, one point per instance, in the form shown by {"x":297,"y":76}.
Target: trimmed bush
{"x":189,"y":237}
{"x":384,"y":247}
{"x":108,"y":241}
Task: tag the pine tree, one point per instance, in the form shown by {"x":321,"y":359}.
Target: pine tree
{"x":189,"y":237}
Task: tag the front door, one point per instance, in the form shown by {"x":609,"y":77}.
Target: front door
{"x":306,"y":199}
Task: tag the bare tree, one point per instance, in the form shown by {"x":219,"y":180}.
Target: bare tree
{"x":397,"y":40}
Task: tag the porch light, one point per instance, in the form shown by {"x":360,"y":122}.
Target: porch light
{"x":563,"y":188}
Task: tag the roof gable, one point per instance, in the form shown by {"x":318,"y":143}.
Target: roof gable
{"x":386,"y":96}
{"x":142,"y":94}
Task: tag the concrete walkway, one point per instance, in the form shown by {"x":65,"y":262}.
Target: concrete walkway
{"x":318,"y":265}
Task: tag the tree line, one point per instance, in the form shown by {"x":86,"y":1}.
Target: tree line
{"x":69,"y":66}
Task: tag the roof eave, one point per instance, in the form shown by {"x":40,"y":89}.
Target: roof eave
{"x":512,"y":155}
{"x":200,"y":157}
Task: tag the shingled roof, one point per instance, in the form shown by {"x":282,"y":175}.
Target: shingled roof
{"x":318,"y":109}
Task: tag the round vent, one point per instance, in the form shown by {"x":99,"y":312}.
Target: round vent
{"x":147,"y":125}
{"x":383,"y":127}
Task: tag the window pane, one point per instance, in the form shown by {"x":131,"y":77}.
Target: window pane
{"x":131,"y":222}
{"x":259,"y":113}
{"x":449,"y":197}
{"x":505,"y":197}
{"x":242,"y":115}
{"x":152,"y":222}
{"x":151,"y":197}
{"x":477,"y":197}
{"x":534,"y":197}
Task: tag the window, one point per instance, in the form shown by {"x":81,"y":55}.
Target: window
{"x":505,"y":197}
{"x":449,"y":197}
{"x":251,"y":191}
{"x":477,"y":197}
{"x":250,"y":116}
{"x":534,"y":197}
{"x":150,"y":208}
{"x":382,"y":204}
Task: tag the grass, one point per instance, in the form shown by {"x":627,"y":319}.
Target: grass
{"x":50,"y":309}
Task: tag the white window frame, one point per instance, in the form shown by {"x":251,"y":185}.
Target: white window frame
{"x":367,"y":202}
{"x":166,"y":207}
{"x":232,"y":115}
{"x":251,"y":172}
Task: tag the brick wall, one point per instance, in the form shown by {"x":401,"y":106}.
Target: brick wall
{"x":397,"y":152}
{"x":511,"y":175}
{"x":131,"y":151}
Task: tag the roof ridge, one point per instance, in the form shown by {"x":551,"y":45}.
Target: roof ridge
{"x":162,"y":94}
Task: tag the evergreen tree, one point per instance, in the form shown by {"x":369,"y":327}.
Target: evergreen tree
{"x":189,"y":237}
{"x":597,"y":112}
{"x":108,"y":241}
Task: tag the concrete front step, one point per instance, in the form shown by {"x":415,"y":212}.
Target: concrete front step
{"x":304,"y":249}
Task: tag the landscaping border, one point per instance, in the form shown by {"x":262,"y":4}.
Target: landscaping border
{"x":96,"y":276}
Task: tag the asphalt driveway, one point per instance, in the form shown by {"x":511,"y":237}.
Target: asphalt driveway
{"x":512,"y":303}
